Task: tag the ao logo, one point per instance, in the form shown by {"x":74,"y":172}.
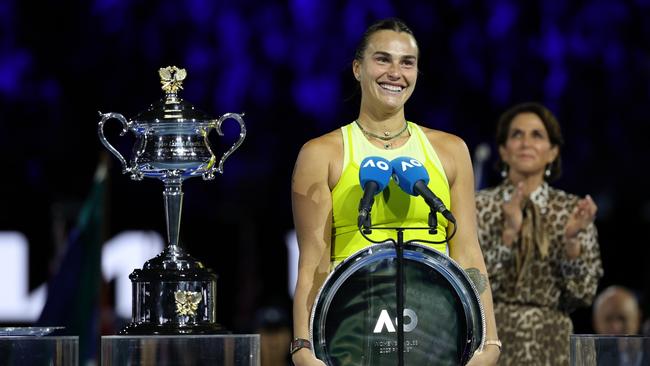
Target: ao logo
{"x":410,"y":164}
{"x":385,"y":321}
{"x":380,"y":164}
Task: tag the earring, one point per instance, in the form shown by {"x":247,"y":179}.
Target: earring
{"x":504,"y":170}
{"x":547,"y":172}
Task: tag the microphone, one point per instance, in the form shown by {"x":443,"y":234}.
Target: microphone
{"x":412,"y":178}
{"x":374,"y":175}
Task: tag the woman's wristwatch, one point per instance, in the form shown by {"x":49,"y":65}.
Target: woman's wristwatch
{"x":299,"y":343}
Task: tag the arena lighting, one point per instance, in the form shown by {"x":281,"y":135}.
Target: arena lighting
{"x":120,"y":255}
{"x":18,"y":304}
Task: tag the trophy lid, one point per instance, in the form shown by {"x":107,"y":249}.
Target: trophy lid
{"x":171,"y":108}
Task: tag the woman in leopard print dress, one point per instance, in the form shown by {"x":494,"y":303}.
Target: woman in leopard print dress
{"x":540,"y":243}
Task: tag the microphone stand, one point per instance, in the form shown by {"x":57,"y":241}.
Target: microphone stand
{"x":399,"y":292}
{"x":366,"y":228}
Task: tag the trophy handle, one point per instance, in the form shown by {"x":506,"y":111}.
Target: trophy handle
{"x":135,"y":174}
{"x":242,"y":134}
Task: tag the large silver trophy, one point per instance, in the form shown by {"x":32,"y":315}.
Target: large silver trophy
{"x":173,"y":293}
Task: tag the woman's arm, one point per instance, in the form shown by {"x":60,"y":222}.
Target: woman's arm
{"x":464,"y":247}
{"x":581,"y":274}
{"x":312,"y":213}
{"x":580,"y":265}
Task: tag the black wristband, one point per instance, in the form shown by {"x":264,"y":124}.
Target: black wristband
{"x":299,"y":343}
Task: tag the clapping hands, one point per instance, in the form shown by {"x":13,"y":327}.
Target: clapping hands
{"x":583,"y":214}
{"x":512,"y":215}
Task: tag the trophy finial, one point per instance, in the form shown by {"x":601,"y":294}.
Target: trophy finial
{"x":171,"y":78}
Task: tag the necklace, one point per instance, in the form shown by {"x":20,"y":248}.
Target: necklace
{"x":387,"y":135}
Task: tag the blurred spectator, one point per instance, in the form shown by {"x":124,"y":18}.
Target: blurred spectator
{"x":540,"y":242}
{"x":617,"y":312}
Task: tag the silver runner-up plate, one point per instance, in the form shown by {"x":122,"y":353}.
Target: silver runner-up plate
{"x":354,"y":320}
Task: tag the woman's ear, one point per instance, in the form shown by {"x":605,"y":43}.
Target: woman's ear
{"x":356,"y":65}
{"x":554,"y":153}
{"x":503,"y":154}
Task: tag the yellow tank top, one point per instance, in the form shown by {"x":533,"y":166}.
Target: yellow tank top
{"x":392,"y":207}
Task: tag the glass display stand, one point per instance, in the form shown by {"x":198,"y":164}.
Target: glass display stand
{"x":32,"y":350}
{"x":181,"y":350}
{"x":591,"y":349}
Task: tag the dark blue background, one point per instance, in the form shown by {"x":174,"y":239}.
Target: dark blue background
{"x":287,"y":66}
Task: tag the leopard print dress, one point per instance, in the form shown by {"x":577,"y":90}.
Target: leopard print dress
{"x":532,"y":309}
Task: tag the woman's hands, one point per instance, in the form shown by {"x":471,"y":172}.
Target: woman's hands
{"x":583,"y":214}
{"x":489,"y":356}
{"x":304,"y":357}
{"x":513,"y":215}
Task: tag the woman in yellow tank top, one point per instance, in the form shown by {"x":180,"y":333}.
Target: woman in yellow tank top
{"x":326,"y":191}
{"x":392,"y":207}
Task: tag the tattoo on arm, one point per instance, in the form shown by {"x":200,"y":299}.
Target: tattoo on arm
{"x":480,"y":280}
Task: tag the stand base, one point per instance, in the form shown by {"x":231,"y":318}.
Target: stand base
{"x":173,"y":297}
{"x":172,"y":329}
{"x":194,"y":350}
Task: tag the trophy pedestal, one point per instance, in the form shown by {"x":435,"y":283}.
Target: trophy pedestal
{"x":184,"y":350}
{"x":145,"y":329}
{"x":173,"y":294}
{"x":19,"y":348}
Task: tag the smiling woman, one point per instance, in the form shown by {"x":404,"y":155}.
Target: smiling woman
{"x":540,"y":243}
{"x":387,"y":77}
{"x":326,"y":189}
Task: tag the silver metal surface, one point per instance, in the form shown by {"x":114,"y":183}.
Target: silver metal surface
{"x":172,"y":144}
{"x":171,"y":136}
{"x":350,"y":318}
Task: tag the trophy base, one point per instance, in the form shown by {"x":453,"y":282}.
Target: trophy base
{"x":172,"y":329}
{"x":173,"y":294}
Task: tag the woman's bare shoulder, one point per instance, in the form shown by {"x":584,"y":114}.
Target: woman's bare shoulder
{"x":321,"y":158}
{"x":329,"y":144}
{"x":322,"y":150}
